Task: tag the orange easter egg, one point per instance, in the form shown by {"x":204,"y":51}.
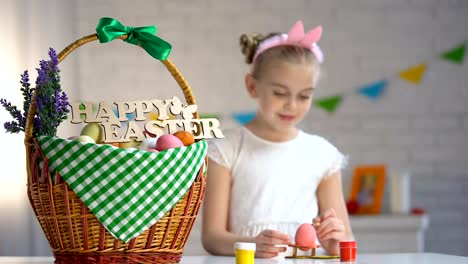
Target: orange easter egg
{"x":186,"y":137}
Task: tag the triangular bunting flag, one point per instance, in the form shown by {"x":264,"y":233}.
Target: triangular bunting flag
{"x":153,"y":116}
{"x":244,"y":117}
{"x":455,"y":55}
{"x":82,"y":107}
{"x":207,"y":115}
{"x":373,"y":90}
{"x":414,"y":74}
{"x":329,"y":103}
{"x":130,"y":116}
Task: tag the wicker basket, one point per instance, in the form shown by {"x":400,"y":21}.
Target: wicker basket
{"x":74,"y":233}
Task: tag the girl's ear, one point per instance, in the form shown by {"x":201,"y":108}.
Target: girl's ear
{"x":250,"y":85}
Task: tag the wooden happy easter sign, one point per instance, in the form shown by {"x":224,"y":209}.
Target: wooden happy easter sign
{"x":114,"y":131}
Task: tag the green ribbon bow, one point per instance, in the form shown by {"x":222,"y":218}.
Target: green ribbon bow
{"x":108,"y":29}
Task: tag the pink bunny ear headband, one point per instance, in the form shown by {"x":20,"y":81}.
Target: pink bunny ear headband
{"x":295,"y":37}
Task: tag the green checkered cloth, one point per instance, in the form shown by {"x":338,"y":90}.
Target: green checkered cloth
{"x":127,"y":190}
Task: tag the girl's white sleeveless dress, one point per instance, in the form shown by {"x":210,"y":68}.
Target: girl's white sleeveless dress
{"x":273,"y":184}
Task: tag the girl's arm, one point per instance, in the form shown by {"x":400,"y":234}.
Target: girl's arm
{"x":334,"y":221}
{"x":216,"y":238}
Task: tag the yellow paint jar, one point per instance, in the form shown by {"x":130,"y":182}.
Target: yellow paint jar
{"x":245,"y":253}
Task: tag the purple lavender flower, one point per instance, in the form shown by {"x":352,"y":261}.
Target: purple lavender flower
{"x":42,"y":76}
{"x":53,"y":59}
{"x":37,"y":124}
{"x":25,"y":78}
{"x":51,"y":101}
{"x":61,"y":103}
{"x":15,"y":126}
{"x":27,"y":95}
{"x":12,"y":127}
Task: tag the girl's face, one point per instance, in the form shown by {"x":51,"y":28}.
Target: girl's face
{"x":284,"y":94}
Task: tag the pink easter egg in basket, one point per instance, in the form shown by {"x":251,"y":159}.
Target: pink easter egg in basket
{"x":168,"y":141}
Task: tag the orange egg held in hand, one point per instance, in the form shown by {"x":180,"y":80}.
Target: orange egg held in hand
{"x":305,"y":236}
{"x":186,"y":137}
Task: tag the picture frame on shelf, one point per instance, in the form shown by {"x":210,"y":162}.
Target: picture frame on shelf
{"x":368,"y":188}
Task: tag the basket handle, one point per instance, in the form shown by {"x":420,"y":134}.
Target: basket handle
{"x":170,"y":66}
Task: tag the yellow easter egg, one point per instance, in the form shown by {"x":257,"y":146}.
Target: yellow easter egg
{"x":94,"y":131}
{"x":85,"y":139}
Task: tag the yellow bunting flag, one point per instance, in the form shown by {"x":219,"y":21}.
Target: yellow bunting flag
{"x":153,"y":116}
{"x":414,"y":74}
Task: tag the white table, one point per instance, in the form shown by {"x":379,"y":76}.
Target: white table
{"x":407,"y":258}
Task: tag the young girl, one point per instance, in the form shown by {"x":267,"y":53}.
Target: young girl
{"x":268,"y":177}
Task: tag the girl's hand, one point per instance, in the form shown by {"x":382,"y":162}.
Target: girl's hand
{"x":331,"y":229}
{"x":266,"y":243}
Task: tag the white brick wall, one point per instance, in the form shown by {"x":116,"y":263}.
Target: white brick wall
{"x":421,"y":129}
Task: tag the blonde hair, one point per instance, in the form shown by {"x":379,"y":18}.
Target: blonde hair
{"x":289,"y":53}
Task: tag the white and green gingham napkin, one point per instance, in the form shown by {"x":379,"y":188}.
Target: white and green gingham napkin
{"x":127,"y":190}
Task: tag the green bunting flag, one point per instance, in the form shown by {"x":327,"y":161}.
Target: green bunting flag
{"x":456,"y":55}
{"x":329,"y":104}
{"x":208,"y":115}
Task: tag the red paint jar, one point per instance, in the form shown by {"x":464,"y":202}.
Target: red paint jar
{"x":348,"y":251}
